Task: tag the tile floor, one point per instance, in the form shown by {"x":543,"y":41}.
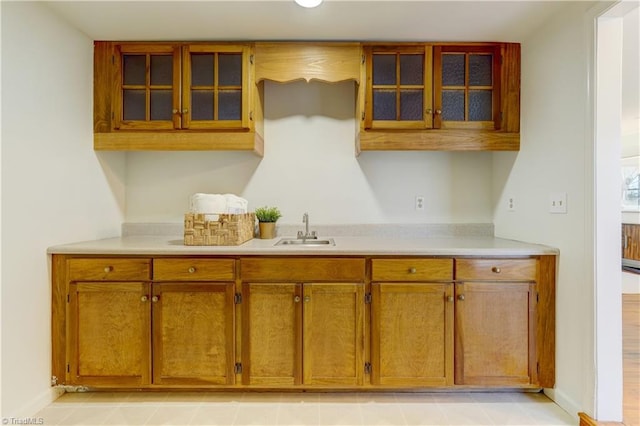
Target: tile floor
{"x":208,"y":408}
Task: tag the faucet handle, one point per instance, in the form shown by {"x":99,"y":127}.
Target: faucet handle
{"x":299,"y":234}
{"x":313,"y":234}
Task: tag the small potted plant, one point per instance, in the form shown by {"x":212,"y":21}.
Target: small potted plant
{"x":267,"y":218}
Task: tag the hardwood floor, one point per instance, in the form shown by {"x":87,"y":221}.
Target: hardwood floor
{"x":631,"y":358}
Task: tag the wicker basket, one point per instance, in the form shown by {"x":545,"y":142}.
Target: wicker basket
{"x":228,"y":230}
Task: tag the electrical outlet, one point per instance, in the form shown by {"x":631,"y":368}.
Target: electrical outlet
{"x":558,"y":202}
{"x":419,"y":202}
{"x":511,"y":203}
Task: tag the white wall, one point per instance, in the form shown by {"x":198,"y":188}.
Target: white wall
{"x":557,"y":156}
{"x":54,"y":188}
{"x":309,"y":165}
{"x":552,"y":159}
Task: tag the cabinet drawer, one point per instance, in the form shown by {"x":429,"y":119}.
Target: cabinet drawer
{"x":496,"y":269}
{"x":302,"y":270}
{"x":194,"y":269}
{"x":411,"y":269}
{"x":109,"y":269}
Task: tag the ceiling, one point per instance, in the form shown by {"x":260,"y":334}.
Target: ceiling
{"x":507,"y":21}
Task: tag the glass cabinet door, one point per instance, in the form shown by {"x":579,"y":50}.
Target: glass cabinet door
{"x":398,"y":91}
{"x":147,"y":96}
{"x":215,"y":87}
{"x":467,"y":87}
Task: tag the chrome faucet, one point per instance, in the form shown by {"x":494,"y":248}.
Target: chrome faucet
{"x":307,"y":235}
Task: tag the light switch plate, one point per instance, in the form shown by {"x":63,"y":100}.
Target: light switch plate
{"x":558,"y":202}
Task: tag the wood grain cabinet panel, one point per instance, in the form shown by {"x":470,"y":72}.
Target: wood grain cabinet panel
{"x":109,"y":269}
{"x":109,"y":342}
{"x":193,"y":269}
{"x":412,"y":334}
{"x":496,"y":269}
{"x":272,"y":334}
{"x":193,"y":334}
{"x":495,"y":334}
{"x":302,"y":270}
{"x":411,"y":269}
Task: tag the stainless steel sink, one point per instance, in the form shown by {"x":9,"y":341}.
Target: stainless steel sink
{"x":305,"y":242}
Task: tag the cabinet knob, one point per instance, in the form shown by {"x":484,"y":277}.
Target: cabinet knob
{"x":438,"y":111}
{"x":495,"y":270}
{"x":412,"y":270}
{"x":296,"y":299}
{"x":154,"y":299}
{"x":449,"y":298}
{"x":307,"y":299}
{"x":192,"y":270}
{"x":429,"y":111}
{"x":185,"y":111}
{"x":108,"y":269}
{"x":175,"y":111}
{"x":461,"y":297}
{"x":144,"y":298}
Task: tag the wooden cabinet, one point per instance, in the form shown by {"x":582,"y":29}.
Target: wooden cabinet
{"x":412,"y":322}
{"x":495,"y":322}
{"x":304,"y":322}
{"x":631,"y":245}
{"x":109,"y":322}
{"x":297,"y":332}
{"x":193,"y":321}
{"x":174,"y":96}
{"x":431,"y":96}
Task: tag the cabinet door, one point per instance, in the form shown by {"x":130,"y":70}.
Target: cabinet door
{"x":271,"y":334}
{"x":215,"y":92}
{"x":467,"y":87}
{"x":631,"y":241}
{"x":333,"y":334}
{"x":147,"y":91}
{"x":412,"y":334}
{"x":399,"y":87}
{"x":193,"y":338}
{"x":109,"y":334}
{"x":495,"y":333}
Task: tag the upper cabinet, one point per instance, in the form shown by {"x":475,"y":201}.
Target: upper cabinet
{"x":210,"y":96}
{"x":440,"y":97}
{"x":174,"y":96}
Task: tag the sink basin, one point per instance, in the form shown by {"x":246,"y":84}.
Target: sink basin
{"x":303,"y":242}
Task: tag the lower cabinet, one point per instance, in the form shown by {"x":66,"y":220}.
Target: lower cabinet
{"x":109,"y":334}
{"x":304,"y":322}
{"x":495,"y":322}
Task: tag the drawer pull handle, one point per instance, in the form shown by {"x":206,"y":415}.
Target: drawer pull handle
{"x":154,"y":299}
{"x":296,"y":299}
{"x":307,"y":299}
{"x":461,"y":297}
{"x":412,"y":270}
{"x":192,"y":270}
{"x":108,"y":269}
{"x":144,"y":298}
{"x":495,"y":269}
{"x":449,"y":298}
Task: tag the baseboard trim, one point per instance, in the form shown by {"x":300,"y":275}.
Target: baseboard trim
{"x":585,"y":420}
{"x":37,"y":403}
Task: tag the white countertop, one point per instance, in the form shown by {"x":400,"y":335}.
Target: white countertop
{"x":360,"y":245}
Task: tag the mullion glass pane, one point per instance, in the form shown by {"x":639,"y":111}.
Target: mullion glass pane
{"x":411,"y":69}
{"x":480,"y":70}
{"x":453,"y":72}
{"x":134,"y":69}
{"x":411,"y":105}
{"x":202,"y":105}
{"x":161,"y":104}
{"x":202,"y":70}
{"x":134,"y":105}
{"x":229,"y":105}
{"x":480,"y":105}
{"x":229,"y":69}
{"x":453,"y":105}
{"x":384,"y":105}
{"x":384,"y":69}
{"x":161,"y":70}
